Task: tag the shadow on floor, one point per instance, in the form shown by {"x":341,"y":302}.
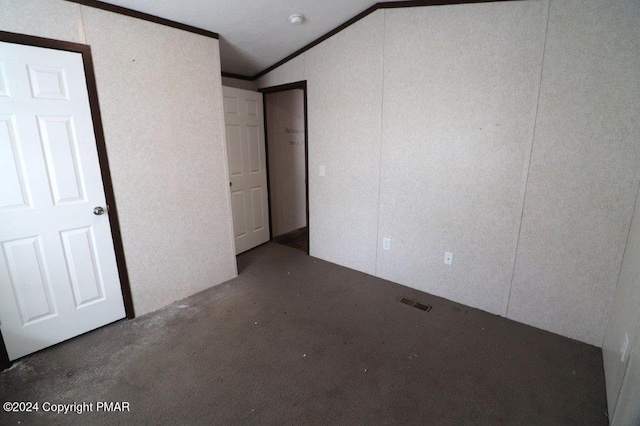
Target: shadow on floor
{"x":298,"y":239}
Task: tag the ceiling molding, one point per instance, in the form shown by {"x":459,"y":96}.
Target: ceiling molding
{"x":319,"y":40}
{"x":238,"y":76}
{"x":145,"y":16}
{"x":381,"y":5}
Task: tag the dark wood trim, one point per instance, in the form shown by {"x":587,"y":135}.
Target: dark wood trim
{"x":282,"y":88}
{"x":103,"y":159}
{"x":306,"y":162}
{"x":29,"y":40}
{"x":87,"y":60}
{"x":419,"y":3}
{"x":266,"y":156}
{"x":381,"y":5}
{"x":4,"y":356}
{"x":145,"y":17}
{"x":238,"y":76}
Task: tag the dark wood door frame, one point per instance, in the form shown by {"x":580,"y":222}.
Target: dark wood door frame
{"x":87,"y":60}
{"x":283,"y":88}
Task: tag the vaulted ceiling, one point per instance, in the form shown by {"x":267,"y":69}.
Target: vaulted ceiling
{"x":254,"y":34}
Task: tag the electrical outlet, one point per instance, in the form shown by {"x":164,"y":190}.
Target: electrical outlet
{"x":448,"y":258}
{"x":623,"y":348}
{"x":386,"y":244}
{"x":322,"y":170}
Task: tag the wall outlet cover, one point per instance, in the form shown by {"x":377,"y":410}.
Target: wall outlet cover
{"x":386,"y":244}
{"x":448,"y":258}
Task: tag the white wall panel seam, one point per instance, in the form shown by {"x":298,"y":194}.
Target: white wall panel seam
{"x":377,"y":242}
{"x":84,"y":33}
{"x":530,"y":154}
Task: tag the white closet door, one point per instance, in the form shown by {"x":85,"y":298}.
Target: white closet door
{"x":58,"y":272}
{"x":244,"y":125}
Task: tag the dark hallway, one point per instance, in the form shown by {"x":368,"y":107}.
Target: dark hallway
{"x":298,"y":239}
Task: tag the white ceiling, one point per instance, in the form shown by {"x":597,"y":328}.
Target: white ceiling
{"x":254,"y":34}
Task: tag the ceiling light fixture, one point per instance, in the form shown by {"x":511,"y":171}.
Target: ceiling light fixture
{"x":296,"y":18}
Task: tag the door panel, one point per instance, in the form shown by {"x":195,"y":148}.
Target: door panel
{"x":60,"y":148}
{"x":247,"y":167}
{"x":58,"y":273}
{"x":29,"y":279}
{"x":234,"y":150}
{"x":253,"y":141}
{"x":13,"y":191}
{"x":257,"y":196}
{"x":48,"y":82}
{"x":239,"y":214}
{"x":83,"y":265}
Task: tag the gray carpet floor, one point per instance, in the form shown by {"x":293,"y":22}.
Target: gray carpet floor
{"x":295,"y":340}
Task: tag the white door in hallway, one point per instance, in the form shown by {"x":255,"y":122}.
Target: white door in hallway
{"x":58,"y":271}
{"x":243,"y":115}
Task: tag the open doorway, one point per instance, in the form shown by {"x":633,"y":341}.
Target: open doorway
{"x":285,"y":115}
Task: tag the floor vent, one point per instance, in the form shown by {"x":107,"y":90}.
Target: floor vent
{"x":415,"y":304}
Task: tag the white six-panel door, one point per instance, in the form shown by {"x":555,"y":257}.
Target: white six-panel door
{"x":58,"y":272}
{"x":243,"y":115}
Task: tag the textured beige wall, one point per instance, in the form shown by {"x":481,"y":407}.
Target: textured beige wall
{"x":460,"y":92}
{"x":285,"y":139}
{"x":344,"y":76}
{"x":160,"y":97}
{"x":160,"y":94}
{"x":238,"y":83}
{"x":461,"y":86}
{"x":584,"y":169}
{"x":624,"y":318}
{"x":289,"y":72}
{"x":55,"y":19}
{"x":344,"y":101}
